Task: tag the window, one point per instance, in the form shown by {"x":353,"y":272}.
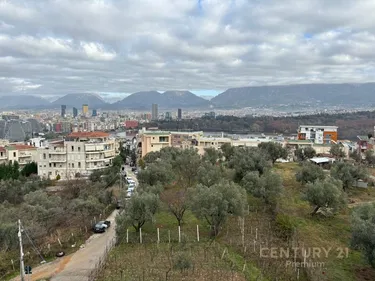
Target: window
{"x":14,"y":154}
{"x":72,"y":165}
{"x":50,"y":165}
{"x":72,"y":148}
{"x":152,"y":145}
{"x":1,"y":154}
{"x":54,"y":165}
{"x":153,"y":138}
{"x":79,"y":148}
{"x":94,"y":163}
{"x":44,"y":156}
{"x":60,"y":166}
{"x":79,"y":164}
{"x":163,"y":139}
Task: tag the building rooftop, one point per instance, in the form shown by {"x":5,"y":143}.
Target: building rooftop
{"x":317,"y":126}
{"x":88,"y":135}
{"x":319,"y":160}
{"x":19,"y":147}
{"x":2,"y":149}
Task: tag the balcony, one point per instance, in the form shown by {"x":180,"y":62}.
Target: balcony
{"x":59,"y":152}
{"x":24,"y":155}
{"x":57,"y":160}
{"x":94,"y":148}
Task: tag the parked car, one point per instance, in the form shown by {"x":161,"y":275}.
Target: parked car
{"x":100,"y":227}
{"x":134,"y":169}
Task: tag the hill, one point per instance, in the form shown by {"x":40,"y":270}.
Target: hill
{"x":76,"y":100}
{"x":22,"y":102}
{"x":168,"y":99}
{"x":303,"y":94}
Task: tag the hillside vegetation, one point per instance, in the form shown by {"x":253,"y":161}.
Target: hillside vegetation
{"x":350,"y":124}
{"x":244,"y":206}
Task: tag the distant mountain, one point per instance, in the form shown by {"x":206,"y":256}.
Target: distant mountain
{"x":77,"y":100}
{"x":168,"y":99}
{"x":22,"y":102}
{"x":327,"y":94}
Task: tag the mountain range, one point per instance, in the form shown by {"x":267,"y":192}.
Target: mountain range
{"x":254,"y":96}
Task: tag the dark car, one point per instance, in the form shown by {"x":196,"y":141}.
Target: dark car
{"x":134,"y":169}
{"x":119,"y":204}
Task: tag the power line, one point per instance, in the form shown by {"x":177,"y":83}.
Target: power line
{"x":33,"y":245}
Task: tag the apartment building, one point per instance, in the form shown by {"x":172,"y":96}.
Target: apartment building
{"x":318,"y":134}
{"x":79,"y":154}
{"x":3,"y":155}
{"x":21,"y":153}
{"x":152,"y":141}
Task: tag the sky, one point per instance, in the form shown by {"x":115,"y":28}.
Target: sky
{"x":117,"y":47}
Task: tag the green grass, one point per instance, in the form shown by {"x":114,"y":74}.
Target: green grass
{"x":150,"y":259}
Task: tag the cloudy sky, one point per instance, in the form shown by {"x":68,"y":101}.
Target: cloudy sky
{"x":114,"y":47}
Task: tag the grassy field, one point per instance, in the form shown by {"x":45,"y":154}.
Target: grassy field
{"x":235,"y":254}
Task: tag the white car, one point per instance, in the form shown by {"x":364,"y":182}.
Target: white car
{"x":131,"y":182}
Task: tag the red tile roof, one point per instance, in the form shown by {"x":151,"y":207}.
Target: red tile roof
{"x":21,"y":146}
{"x":88,"y":135}
{"x":2,"y":149}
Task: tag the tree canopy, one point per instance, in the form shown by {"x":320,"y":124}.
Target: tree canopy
{"x":326,"y":193}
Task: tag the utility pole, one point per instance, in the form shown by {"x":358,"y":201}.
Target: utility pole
{"x":22,"y":265}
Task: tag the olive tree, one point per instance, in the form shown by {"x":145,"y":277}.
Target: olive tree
{"x":310,"y":173}
{"x":337,"y":151}
{"x":274,"y":150}
{"x":139,"y":209}
{"x":212,"y":155}
{"x":246,"y":159}
{"x":347,"y":173}
{"x":326,"y":193}
{"x":216,"y":202}
{"x":363,"y":231}
{"x":305,"y":153}
{"x":268,"y":186}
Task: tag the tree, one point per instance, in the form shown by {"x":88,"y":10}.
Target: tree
{"x":139,"y":209}
{"x":310,"y":173}
{"x":212,"y":155}
{"x":185,"y":166}
{"x":215,"y":203}
{"x":363,"y":231}
{"x":337,"y":151}
{"x":156,"y":173}
{"x":274,"y":150}
{"x":30,"y":169}
{"x":356,"y":156}
{"x":326,"y":193}
{"x":228,"y":151}
{"x":305,"y":153}
{"x":117,"y":162}
{"x":268,"y":186}
{"x":176,"y":200}
{"x":370,"y":157}
{"x":209,"y":174}
{"x":347,"y":173}
{"x":246,"y":159}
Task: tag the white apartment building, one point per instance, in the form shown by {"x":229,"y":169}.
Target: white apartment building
{"x":318,"y":134}
{"x":80,"y":153}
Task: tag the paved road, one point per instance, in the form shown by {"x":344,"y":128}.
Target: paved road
{"x":85,"y":260}
{"x":79,"y":265}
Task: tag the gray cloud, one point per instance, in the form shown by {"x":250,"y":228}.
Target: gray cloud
{"x":54,"y":47}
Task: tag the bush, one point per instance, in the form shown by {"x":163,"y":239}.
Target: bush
{"x":285,"y":225}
